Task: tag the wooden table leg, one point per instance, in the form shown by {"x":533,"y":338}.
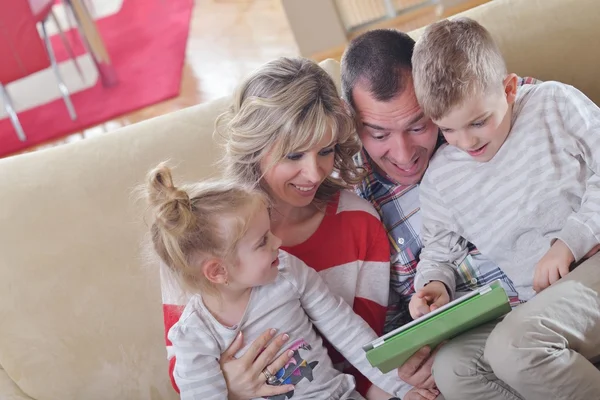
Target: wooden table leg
{"x":94,"y":42}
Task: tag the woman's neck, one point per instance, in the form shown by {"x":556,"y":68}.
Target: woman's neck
{"x":228,"y":305}
{"x":295,"y":225}
{"x":284,"y":214}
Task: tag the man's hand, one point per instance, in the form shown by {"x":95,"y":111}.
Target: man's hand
{"x":421,"y":394}
{"x":429,"y":298}
{"x":416,"y":371}
{"x":554,"y":265}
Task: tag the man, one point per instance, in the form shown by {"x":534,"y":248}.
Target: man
{"x":398,"y":141}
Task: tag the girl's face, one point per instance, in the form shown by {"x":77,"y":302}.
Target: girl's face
{"x":257,"y":253}
{"x":295,"y":179}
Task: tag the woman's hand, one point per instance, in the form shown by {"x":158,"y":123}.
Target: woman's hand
{"x":244,"y":376}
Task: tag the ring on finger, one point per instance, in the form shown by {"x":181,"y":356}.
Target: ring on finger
{"x":271,"y":379}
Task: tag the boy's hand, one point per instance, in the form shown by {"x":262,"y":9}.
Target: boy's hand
{"x":428,"y":299}
{"x":554,"y":265}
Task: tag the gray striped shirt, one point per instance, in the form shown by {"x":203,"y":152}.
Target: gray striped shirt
{"x":543,"y":184}
{"x":296,"y":303}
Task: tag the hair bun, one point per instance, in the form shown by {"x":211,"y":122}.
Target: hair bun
{"x":173,"y":207}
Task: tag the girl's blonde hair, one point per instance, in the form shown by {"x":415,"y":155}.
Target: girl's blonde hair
{"x":286,"y":106}
{"x":193,"y":223}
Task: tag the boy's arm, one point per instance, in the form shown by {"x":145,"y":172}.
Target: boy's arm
{"x":197,"y":371}
{"x":443,"y":248}
{"x":581,"y":119}
{"x":336,"y":321}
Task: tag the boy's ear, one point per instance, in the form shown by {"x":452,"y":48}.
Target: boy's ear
{"x":510,"y":87}
{"x":214,"y":270}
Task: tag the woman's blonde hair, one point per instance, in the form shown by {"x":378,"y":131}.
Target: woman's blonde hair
{"x":193,"y":223}
{"x":288,"y":105}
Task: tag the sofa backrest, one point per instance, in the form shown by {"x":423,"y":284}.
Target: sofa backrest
{"x":80,"y":311}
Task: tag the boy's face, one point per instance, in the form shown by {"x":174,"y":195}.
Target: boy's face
{"x":480,"y":125}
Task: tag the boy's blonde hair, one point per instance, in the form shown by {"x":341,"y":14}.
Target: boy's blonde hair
{"x":288,"y":105}
{"x":193,"y":223}
{"x":452,"y":61}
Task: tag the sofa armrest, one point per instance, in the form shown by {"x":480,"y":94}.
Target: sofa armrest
{"x":9,"y":390}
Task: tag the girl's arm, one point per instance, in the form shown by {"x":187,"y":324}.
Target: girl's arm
{"x":197,"y":372}
{"x":336,"y":321}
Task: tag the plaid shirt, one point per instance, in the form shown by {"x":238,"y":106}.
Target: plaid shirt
{"x":400,"y":212}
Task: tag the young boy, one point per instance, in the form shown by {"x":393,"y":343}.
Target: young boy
{"x":520,"y":179}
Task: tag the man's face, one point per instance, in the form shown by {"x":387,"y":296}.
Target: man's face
{"x":395,"y":133}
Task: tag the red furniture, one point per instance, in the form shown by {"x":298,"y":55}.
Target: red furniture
{"x":24,"y":52}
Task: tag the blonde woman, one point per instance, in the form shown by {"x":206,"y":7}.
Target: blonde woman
{"x":289,"y":134}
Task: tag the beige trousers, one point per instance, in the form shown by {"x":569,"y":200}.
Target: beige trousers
{"x":544,"y":349}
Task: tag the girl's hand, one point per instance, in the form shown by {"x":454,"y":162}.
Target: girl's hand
{"x":244,"y":376}
{"x":555,"y":264}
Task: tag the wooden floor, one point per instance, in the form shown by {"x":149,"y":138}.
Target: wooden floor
{"x":229,"y":39}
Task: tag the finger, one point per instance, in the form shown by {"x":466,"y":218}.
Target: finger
{"x":553,"y":275}
{"x":267,"y":356}
{"x":258,"y":345}
{"x":424,"y":373}
{"x":410,"y":366}
{"x":281,"y":361}
{"x":544,"y":278}
{"x":270,"y":390}
{"x":429,"y":383}
{"x":537,"y":279}
{"x":419,"y":308}
{"x":564,"y":269}
{"x":439,"y":302}
{"x":234,"y":347}
{"x":426,"y":394}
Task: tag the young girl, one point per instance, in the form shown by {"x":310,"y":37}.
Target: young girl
{"x":216,"y":241}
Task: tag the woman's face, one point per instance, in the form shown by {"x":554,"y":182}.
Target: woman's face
{"x":295,"y":179}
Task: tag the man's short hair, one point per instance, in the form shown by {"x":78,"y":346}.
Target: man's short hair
{"x":452,"y":61}
{"x":379,"y":59}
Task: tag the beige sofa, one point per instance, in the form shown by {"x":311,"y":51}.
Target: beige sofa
{"x":80,"y":312}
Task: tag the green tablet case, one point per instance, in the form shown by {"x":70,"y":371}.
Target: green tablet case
{"x":484,"y":307}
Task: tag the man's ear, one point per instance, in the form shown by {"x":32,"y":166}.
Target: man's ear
{"x":510,"y":87}
{"x":214,"y":270}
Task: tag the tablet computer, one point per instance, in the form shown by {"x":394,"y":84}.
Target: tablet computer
{"x":473,"y":309}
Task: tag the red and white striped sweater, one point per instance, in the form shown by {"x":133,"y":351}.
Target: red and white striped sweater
{"x":350,"y":250}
